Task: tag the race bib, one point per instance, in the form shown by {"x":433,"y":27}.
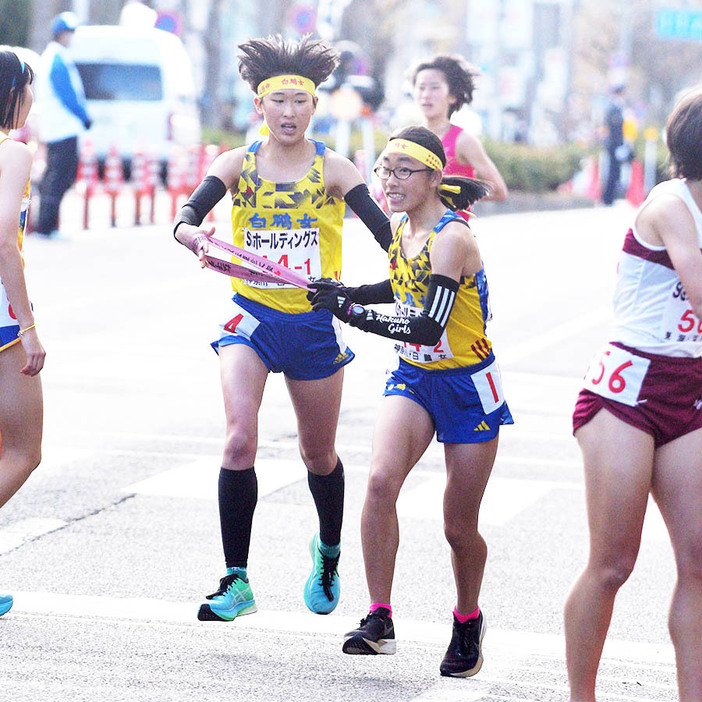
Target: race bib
{"x":296,"y":249}
{"x":7,"y":316}
{"x":617,"y":375}
{"x":243,"y":323}
{"x":488,"y":383}
{"x":417,"y":352}
{"x":679,"y":321}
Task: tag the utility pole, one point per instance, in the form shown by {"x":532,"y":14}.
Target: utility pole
{"x":495,"y":127}
{"x":625,"y":40}
{"x":82,"y":9}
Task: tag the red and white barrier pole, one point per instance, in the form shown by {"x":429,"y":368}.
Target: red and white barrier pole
{"x":88,"y":177}
{"x":154,"y":178}
{"x":176,"y":177}
{"x":114,"y":180}
{"x":140,"y":182}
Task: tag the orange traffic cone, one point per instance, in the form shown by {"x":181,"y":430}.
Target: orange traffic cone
{"x":635,"y":193}
{"x":593,"y":189}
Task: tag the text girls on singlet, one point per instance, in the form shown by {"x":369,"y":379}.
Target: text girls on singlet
{"x":651,"y":310}
{"x":295,"y":224}
{"x":463,"y":342}
{"x":8,"y":321}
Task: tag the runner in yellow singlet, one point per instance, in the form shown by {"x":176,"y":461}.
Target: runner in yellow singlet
{"x":21,"y":353}
{"x":288,"y":199}
{"x":447,"y":383}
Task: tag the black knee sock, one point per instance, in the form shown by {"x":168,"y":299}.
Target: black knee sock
{"x":328,"y":494}
{"x":238,"y":494}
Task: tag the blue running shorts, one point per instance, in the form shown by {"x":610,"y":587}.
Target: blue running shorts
{"x":467,"y":405}
{"x":307,"y":346}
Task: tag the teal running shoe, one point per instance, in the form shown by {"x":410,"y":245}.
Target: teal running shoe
{"x":5,"y":604}
{"x":322,"y":588}
{"x":233,"y":599}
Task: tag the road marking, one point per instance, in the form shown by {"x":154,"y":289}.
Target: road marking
{"x":199,"y":478}
{"x":504,"y":498}
{"x":555,"y":335}
{"x":14,"y":535}
{"x":147,"y":610}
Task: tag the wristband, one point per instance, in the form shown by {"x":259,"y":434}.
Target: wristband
{"x":26,"y":329}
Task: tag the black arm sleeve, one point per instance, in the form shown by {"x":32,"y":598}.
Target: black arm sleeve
{"x":372,"y":294}
{"x":205,"y":197}
{"x":426,"y":328}
{"x":361,"y":202}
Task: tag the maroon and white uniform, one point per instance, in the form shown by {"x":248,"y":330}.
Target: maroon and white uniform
{"x":651,"y":309}
{"x":650,"y":374}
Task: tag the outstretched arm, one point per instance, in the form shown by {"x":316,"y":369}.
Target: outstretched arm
{"x":344,"y":180}
{"x":221,"y":176}
{"x":425,"y":329}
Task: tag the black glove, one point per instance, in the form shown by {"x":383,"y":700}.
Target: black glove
{"x":322,"y":284}
{"x":88,"y":123}
{"x":335,"y":299}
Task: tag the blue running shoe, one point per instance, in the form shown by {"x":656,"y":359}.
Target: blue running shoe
{"x":5,"y":604}
{"x":322,"y":587}
{"x":233,"y":599}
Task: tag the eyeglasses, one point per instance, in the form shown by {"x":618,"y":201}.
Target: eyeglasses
{"x":401,"y":172}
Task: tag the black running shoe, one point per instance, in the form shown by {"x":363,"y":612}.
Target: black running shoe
{"x":375,"y":635}
{"x":464,"y":655}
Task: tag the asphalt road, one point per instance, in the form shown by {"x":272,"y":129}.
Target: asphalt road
{"x":114,"y":540}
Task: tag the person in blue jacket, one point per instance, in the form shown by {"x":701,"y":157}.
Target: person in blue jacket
{"x":62,"y":118}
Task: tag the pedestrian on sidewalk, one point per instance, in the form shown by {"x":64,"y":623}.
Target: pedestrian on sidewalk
{"x":615,"y":151}
{"x":447,"y":383}
{"x":638,"y":418}
{"x":21,"y":352}
{"x":63,"y":117}
{"x":289,"y":196}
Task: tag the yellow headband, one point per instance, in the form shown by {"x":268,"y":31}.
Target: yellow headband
{"x":285,"y":83}
{"x":404,"y":146}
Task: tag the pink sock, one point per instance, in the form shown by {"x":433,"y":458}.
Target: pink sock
{"x":376,"y":605}
{"x":463,"y":618}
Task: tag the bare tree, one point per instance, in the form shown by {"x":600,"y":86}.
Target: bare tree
{"x":40,"y":26}
{"x":657,"y":69}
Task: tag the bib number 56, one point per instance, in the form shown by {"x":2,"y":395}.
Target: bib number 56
{"x":616,"y":382}
{"x":617,"y":374}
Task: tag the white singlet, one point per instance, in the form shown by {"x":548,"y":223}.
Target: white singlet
{"x":651,"y":309}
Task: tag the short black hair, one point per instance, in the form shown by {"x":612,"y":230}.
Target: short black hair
{"x":471,"y":190}
{"x":459,"y":74}
{"x":274,"y":56}
{"x":684,"y":136}
{"x":14,"y":76}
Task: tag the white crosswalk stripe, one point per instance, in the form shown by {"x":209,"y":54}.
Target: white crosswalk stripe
{"x":506,"y":652}
{"x":504,"y":498}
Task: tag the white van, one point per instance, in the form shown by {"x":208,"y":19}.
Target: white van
{"x":140,"y":90}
